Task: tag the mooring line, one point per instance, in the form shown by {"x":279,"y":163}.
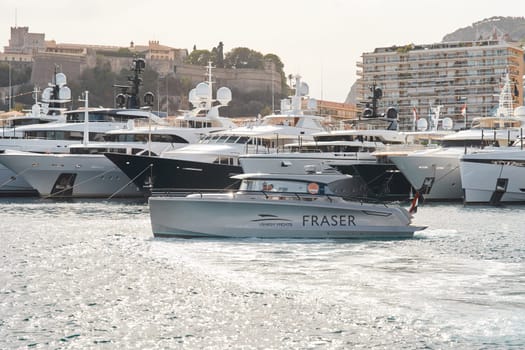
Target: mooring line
{"x":120,"y":189}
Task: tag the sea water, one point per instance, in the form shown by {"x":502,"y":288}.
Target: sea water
{"x":90,"y":275}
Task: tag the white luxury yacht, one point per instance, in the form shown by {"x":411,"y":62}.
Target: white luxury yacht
{"x":350,"y":151}
{"x":84,"y":171}
{"x":211,"y":162}
{"x":50,"y":109}
{"x":69,"y":127}
{"x":435,"y":172}
{"x":496,"y":175}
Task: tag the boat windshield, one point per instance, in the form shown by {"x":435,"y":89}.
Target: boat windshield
{"x":277,"y":185}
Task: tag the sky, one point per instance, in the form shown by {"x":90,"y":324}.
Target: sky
{"x":321,"y":40}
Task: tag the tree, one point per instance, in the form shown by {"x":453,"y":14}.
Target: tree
{"x":243,"y":57}
{"x":279,"y":68}
{"x":20,"y":73}
{"x":199,"y":57}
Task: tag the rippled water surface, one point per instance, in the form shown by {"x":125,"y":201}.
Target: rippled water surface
{"x":89,"y":274}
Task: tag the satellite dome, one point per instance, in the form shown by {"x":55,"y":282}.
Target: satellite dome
{"x":202,"y":90}
{"x":60,"y":79}
{"x":46,"y":94}
{"x":312,"y":104}
{"x":304,"y":89}
{"x":224,"y":95}
{"x":422,"y":124}
{"x":64,"y":93}
{"x":447,"y":123}
{"x":193,"y":96}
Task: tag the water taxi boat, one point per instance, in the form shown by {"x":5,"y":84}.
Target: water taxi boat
{"x":308,"y":206}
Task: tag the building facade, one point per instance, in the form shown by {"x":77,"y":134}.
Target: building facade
{"x":336,"y":113}
{"x":451,"y":75}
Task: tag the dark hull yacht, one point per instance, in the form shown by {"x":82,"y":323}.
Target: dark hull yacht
{"x":148,"y":172}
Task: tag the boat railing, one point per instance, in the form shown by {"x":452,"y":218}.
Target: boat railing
{"x":260,"y":194}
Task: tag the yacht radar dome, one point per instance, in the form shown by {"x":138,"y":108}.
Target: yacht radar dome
{"x":202,"y":90}
{"x":311,"y":104}
{"x":46,"y":94}
{"x":304,"y":89}
{"x":192,"y":97}
{"x":224,"y":95}
{"x":64,"y":93}
{"x":60,"y":79}
{"x":447,"y":124}
{"x":422,"y":124}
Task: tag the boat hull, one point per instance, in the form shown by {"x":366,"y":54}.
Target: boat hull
{"x":434,"y":173}
{"x":158,"y":172}
{"x":237,"y":218}
{"x":383,"y":180}
{"x":494,"y":177}
{"x":12,"y":185}
{"x":70,"y":176}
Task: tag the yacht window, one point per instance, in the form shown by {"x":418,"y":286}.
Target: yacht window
{"x":90,"y":150}
{"x":243,"y":139}
{"x":232,"y":139}
{"x":469,"y":143}
{"x":212,"y":139}
{"x":99,"y":137}
{"x":222,"y":139}
{"x":76,"y":135}
{"x":142,"y":151}
{"x":277,"y":185}
{"x":224,"y":160}
{"x":267,"y":186}
{"x":168,"y":138}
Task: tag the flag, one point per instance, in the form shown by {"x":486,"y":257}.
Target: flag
{"x":415,"y":202}
{"x":414,"y":113}
{"x":464,"y":110}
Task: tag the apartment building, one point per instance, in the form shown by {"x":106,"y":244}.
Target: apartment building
{"x":451,"y":75}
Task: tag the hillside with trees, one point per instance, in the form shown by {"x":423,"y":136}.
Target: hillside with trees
{"x":171,"y":91}
{"x":513,"y":27}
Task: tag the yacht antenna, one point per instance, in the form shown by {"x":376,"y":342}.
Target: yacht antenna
{"x":273,"y":92}
{"x":322,"y":87}
{"x":131,"y":99}
{"x":85,"y":139}
{"x":10,"y":87}
{"x":210,"y":84}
